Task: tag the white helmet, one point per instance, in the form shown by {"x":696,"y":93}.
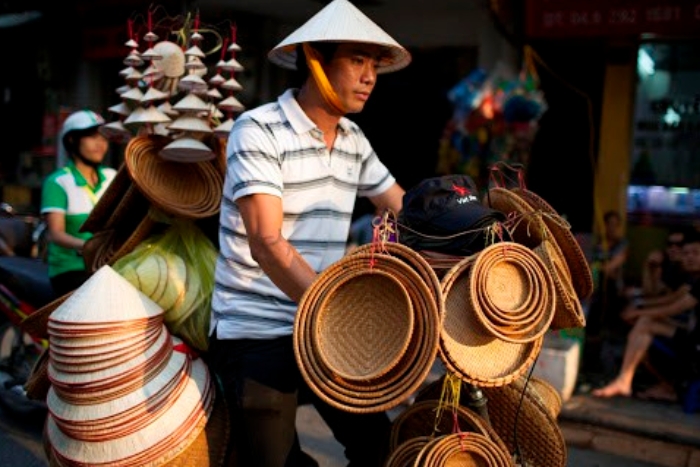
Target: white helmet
{"x":77,"y":121}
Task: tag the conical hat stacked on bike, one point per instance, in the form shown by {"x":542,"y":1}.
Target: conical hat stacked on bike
{"x":124,"y":391}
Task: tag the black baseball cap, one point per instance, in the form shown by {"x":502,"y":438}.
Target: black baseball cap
{"x":445,"y":206}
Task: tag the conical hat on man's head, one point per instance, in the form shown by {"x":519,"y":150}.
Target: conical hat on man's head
{"x":340,"y":21}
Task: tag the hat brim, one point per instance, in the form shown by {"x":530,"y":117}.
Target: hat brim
{"x":340,"y":21}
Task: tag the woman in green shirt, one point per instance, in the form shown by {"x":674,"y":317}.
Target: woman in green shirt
{"x":70,"y":193}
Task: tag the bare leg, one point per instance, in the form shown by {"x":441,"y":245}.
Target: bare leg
{"x":638,"y":342}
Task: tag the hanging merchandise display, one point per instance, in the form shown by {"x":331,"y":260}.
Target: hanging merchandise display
{"x":495,"y":119}
{"x":128,"y":385}
{"x":166,"y":92}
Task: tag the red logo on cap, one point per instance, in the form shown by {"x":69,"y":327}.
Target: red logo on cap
{"x":461,"y":190}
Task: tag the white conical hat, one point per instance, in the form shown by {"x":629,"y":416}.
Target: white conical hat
{"x":340,"y":21}
{"x":153,"y":94}
{"x":149,"y":114}
{"x":106,"y":297}
{"x":214,"y":93}
{"x":225,"y":128}
{"x":187,"y":149}
{"x":231,"y":104}
{"x":231,"y":85}
{"x":120,"y":109}
{"x":191,"y":103}
{"x":193,"y":124}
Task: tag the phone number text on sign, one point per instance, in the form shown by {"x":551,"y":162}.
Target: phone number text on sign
{"x":593,"y":17}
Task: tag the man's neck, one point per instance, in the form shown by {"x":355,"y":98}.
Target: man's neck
{"x":316,"y":108}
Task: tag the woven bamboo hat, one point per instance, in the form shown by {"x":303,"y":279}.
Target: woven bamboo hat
{"x":561,"y":231}
{"x":469,"y":349}
{"x":394,"y":374}
{"x":190,"y":190}
{"x":340,"y":21}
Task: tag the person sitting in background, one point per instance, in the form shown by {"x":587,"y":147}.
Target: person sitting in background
{"x":69,"y":194}
{"x":609,"y":257}
{"x":662,"y":271}
{"x":674,"y":317}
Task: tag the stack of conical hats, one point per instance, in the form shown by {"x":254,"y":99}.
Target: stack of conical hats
{"x":123,"y":390}
{"x":146,"y":113}
{"x":166,"y":94}
{"x":229,"y":105}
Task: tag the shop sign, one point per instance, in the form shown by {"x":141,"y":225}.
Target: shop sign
{"x":606,"y":18}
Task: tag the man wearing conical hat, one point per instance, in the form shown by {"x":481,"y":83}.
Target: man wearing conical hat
{"x":295,"y":169}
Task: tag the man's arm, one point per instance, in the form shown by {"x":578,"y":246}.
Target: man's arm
{"x":262,"y":217}
{"x":390,"y":199}
{"x":683,"y":303}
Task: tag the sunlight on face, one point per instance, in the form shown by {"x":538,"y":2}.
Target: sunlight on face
{"x":353,"y":73}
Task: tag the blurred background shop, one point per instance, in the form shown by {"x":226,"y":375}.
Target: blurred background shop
{"x":618,"y":80}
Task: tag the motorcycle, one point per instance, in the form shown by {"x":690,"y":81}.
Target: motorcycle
{"x":24,"y":288}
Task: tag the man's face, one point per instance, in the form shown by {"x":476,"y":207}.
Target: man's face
{"x":691,"y":257}
{"x":353,"y":73}
{"x":673,"y":246}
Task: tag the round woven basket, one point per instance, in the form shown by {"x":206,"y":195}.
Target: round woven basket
{"x":107,"y":246}
{"x":405,"y":454}
{"x":369,"y":393}
{"x":565,"y":239}
{"x":363,"y":325}
{"x":37,"y":385}
{"x":108,"y":202}
{"x":528,"y":226}
{"x":37,"y":323}
{"x":470,"y":350}
{"x":568,"y":310}
{"x":190,"y":190}
{"x":537,"y":436}
{"x":462,"y":449}
{"x":512,"y":292}
{"x":428,"y":418}
{"x":415,"y":260}
{"x":399,"y":378}
{"x":547,"y":394}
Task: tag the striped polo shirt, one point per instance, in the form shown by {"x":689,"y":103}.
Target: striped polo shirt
{"x":67,"y":191}
{"x":277,"y":150}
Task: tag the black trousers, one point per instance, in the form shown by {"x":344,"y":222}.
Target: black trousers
{"x":263,"y":387}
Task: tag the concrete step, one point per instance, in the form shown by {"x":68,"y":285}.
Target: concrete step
{"x":654,"y":432}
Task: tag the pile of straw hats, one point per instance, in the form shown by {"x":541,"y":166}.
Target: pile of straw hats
{"x":123,"y":390}
{"x":366,"y":331}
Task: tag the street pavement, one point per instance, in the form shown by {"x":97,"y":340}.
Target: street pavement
{"x":21,"y":443}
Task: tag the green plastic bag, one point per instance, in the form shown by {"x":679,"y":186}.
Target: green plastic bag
{"x":175,"y":269}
